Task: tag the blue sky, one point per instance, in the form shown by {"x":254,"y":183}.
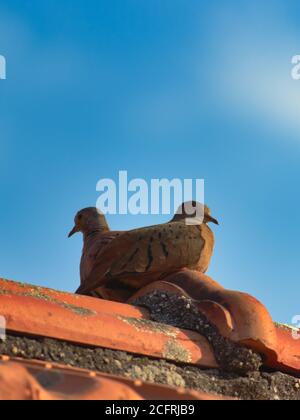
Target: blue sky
{"x":160,"y":88}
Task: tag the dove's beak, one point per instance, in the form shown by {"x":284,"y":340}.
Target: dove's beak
{"x":73,"y":231}
{"x":212,"y":220}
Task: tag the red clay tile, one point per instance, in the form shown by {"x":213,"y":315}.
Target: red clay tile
{"x":65,"y":299}
{"x":17,"y":383}
{"x":238,"y":316}
{"x":288,"y":352}
{"x":41,"y":312}
{"x":251,"y":322}
{"x":19,"y":380}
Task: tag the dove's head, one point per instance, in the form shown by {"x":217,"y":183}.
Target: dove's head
{"x":194,"y":213}
{"x":89,"y":220}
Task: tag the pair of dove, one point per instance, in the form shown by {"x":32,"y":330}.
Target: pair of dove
{"x":132,"y":259}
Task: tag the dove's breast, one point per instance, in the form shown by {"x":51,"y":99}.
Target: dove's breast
{"x":93,"y":246}
{"x":207,"y":250}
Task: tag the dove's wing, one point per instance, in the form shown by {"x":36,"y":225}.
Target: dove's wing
{"x":155,"y":249}
{"x":158,"y":248}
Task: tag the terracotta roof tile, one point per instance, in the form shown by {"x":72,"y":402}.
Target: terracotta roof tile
{"x":238,"y":316}
{"x":35,"y":380}
{"x":43,"y":312}
{"x":37,"y":311}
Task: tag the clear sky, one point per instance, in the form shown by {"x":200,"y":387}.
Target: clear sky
{"x":160,"y":88}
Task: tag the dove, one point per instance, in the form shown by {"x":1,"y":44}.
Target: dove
{"x":96,"y":235}
{"x":130,"y":260}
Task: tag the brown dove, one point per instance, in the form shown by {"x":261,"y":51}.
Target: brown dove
{"x":96,"y":235}
{"x":130,"y":260}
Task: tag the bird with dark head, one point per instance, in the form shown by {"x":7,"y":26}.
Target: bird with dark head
{"x":129,"y":260}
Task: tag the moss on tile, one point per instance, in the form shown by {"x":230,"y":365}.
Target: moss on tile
{"x":38,"y":293}
{"x":181,"y":312}
{"x":144,"y":325}
{"x":289,"y":328}
{"x":254,"y":386}
{"x":175,"y":351}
